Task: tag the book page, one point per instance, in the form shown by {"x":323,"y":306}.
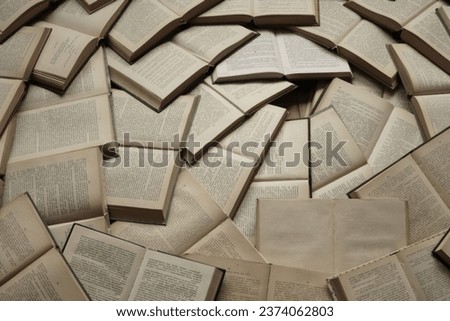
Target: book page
{"x":430,"y":30}
{"x":140,"y":178}
{"x":397,"y":97}
{"x":225,"y":241}
{"x":192,"y":215}
{"x":243,"y":280}
{"x":399,"y":11}
{"x":92,"y":80}
{"x":374,"y":54}
{"x":229,"y":8}
{"x":382,"y":279}
{"x":12,"y":9}
{"x":60,"y":232}
{"x":164,"y":277}
{"x":164,"y":70}
{"x":245,"y":218}
{"x":11,"y":92}
{"x":287,"y":236}
{"x":288,"y":156}
{"x":62,"y":128}
{"x":339,"y":188}
{"x":19,"y":53}
{"x":419,"y":75}
{"x":251,"y":95}
{"x":169,"y":129}
{"x":49,"y":278}
{"x":334,"y":153}
{"x":362,"y":113}
{"x":6,"y":140}
{"x":400,"y":135}
{"x":225,"y":176}
{"x":258,"y":59}
{"x":212,"y":43}
{"x":367,"y":82}
{"x":213,"y":118}
{"x":335,"y":22}
{"x":105,"y":265}
{"x":62,"y":50}
{"x":180,"y":7}
{"x":274,"y":7}
{"x":367,"y":229}
{"x":141,"y":22}
{"x":65,"y":187}
{"x":23,"y":236}
{"x":434,"y":112}
{"x":429,"y":277}
{"x":71,"y":14}
{"x":302,"y":58}
{"x":253,"y":137}
{"x":428,"y":213}
{"x":433,"y":160}
{"x":291,"y":284}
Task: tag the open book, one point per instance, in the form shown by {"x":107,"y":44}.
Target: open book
{"x":17,"y":13}
{"x":329,"y":235}
{"x":222,"y":107}
{"x":12,"y":92}
{"x":442,"y":249}
{"x":140,"y":181}
{"x":384,"y":133}
{"x":93,"y":80}
{"x":263,"y":12}
{"x":93,"y":5}
{"x":127,"y":271}
{"x":411,"y":273}
{"x":428,"y":35}
{"x":74,"y":39}
{"x":421,"y":178}
{"x":226,"y":171}
{"x":344,"y":30}
{"x":257,"y":281}
{"x":334,"y":152}
{"x":65,"y":188}
{"x":418,"y":74}
{"x":392,"y":15}
{"x":32,"y":266}
{"x":19,"y":54}
{"x":432,"y":113}
{"x":168,"y":70}
{"x":285,"y":54}
{"x":6,"y":140}
{"x":146,"y":23}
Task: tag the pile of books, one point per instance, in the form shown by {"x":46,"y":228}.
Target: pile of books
{"x":224,"y":149}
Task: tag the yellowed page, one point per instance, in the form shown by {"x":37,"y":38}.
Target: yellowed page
{"x":62,"y":128}
{"x":429,"y":278}
{"x":64,"y":187}
{"x":335,"y":22}
{"x":6,"y":141}
{"x":11,"y":91}
{"x":13,"y":9}
{"x":249,"y":95}
{"x":92,"y":80}
{"x":225,"y":241}
{"x":169,"y":128}
{"x":71,"y":14}
{"x":164,"y":277}
{"x":339,"y":188}
{"x":23,"y":236}
{"x":192,"y":215}
{"x":292,"y":284}
{"x":230,"y":8}
{"x":428,"y":213}
{"x":49,"y":278}
{"x":397,"y":97}
{"x":106,"y":266}
{"x":363,"y":114}
{"x":435,"y":112}
{"x":245,"y":218}
{"x":382,"y":279}
{"x":334,"y":153}
{"x":400,"y":135}
{"x":243,"y":281}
